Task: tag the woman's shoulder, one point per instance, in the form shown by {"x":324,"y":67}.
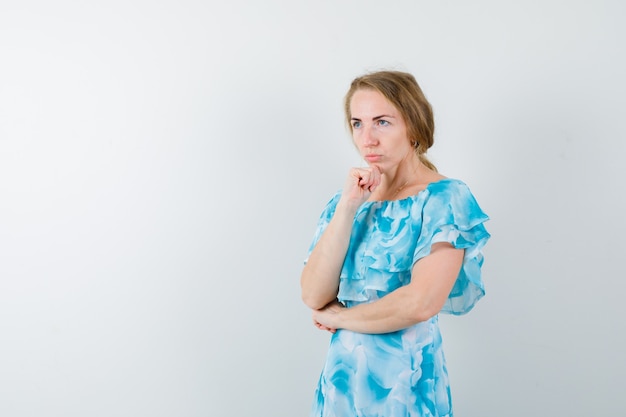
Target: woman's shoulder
{"x":452,"y":196}
{"x":447,"y":185}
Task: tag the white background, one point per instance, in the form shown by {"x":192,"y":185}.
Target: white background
{"x":163,"y":165}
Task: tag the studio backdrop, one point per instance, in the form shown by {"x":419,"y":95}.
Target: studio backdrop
{"x":163,"y":165}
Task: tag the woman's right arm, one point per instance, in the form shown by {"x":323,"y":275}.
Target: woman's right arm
{"x":320,"y":277}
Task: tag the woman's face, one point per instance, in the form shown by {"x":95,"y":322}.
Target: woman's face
{"x":378,"y":130}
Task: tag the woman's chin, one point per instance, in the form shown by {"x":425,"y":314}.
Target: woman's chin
{"x":374,"y":165}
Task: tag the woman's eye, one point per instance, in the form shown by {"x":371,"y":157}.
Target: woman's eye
{"x":356,"y":124}
{"x":383,"y":122}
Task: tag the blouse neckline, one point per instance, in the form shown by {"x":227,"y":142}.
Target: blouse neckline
{"x":411,"y":197}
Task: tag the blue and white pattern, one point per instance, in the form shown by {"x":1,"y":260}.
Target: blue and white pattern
{"x":401,"y":373}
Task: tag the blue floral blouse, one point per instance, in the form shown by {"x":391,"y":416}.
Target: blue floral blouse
{"x":402,"y":373}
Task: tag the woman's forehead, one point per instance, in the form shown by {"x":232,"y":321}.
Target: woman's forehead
{"x":369,"y":103}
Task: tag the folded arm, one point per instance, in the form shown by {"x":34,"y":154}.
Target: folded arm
{"x":432,"y":279}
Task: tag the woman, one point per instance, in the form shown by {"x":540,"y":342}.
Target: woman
{"x":399,"y":244}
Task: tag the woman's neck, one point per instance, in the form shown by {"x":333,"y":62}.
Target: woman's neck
{"x":408,"y":179}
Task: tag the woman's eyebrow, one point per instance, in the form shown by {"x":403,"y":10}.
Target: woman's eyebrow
{"x":375,"y":118}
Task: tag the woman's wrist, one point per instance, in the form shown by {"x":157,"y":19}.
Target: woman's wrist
{"x":347,"y":207}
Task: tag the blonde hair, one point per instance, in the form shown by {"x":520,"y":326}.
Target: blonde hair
{"x":402,"y":90}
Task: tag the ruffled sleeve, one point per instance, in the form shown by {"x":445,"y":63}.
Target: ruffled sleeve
{"x":322,"y":223}
{"x":451,"y":214}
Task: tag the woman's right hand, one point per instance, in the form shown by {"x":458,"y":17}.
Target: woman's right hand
{"x":360,"y":184}
{"x":320,"y":276}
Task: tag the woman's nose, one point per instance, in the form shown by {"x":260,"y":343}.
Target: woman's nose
{"x":369,"y":137}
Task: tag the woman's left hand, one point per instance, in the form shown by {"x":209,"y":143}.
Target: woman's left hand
{"x":326,"y":318}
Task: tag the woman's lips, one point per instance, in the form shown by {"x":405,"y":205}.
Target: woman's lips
{"x":372,"y":157}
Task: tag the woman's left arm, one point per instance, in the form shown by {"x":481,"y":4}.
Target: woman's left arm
{"x":432,"y":279}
